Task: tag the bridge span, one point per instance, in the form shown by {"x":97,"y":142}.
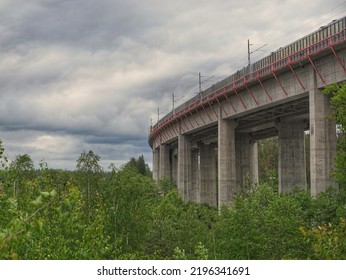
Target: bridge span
{"x":208,"y":146}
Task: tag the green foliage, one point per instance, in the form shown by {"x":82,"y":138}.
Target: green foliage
{"x":327,"y":241}
{"x":140,"y":166}
{"x":179,"y":225}
{"x":165,"y":186}
{"x":123,"y":214}
{"x":201,"y":252}
{"x":127,"y":192}
{"x":263,"y":225}
{"x":338,"y":102}
{"x":89,"y":172}
{"x":179,"y":254}
{"x":268,"y":160}
{"x":23,"y":164}
{"x":1,"y":149}
{"x":88,"y":163}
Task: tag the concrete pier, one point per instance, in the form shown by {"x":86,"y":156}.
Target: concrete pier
{"x":246,"y":160}
{"x":165,"y":169}
{"x":194,"y":190}
{"x":227,"y":182}
{"x":156,"y":163}
{"x":291,"y":152}
{"x":184,"y":166}
{"x":208,"y":192}
{"x":322,"y":142}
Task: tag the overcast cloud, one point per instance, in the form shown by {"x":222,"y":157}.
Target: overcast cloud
{"x":77,"y":75}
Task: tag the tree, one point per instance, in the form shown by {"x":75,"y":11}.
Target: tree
{"x":23,"y":163}
{"x":89,"y":163}
{"x":23,"y":166}
{"x":262,"y":225}
{"x":268,"y":160}
{"x":1,"y":149}
{"x":89,"y":167}
{"x":140,"y":165}
{"x":338,"y":102}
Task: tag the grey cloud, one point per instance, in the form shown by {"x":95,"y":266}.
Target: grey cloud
{"x":83,"y":74}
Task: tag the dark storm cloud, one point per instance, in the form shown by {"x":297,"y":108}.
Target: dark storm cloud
{"x":84,"y":74}
{"x":83,"y":23}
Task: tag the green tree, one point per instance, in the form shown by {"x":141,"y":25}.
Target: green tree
{"x":23,"y":167}
{"x":90,"y":170}
{"x":23,"y":163}
{"x":1,"y":149}
{"x":180,"y":230}
{"x":338,"y":102}
{"x":328,"y":241}
{"x":127,"y":199}
{"x":261,"y":225}
{"x":89,"y":163}
{"x":140,"y":165}
{"x":268,"y":160}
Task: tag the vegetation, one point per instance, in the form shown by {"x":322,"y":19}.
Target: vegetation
{"x":123,"y":214}
{"x":52,"y":215}
{"x":338,"y":102}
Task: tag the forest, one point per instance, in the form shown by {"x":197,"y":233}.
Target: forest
{"x":122,"y":213}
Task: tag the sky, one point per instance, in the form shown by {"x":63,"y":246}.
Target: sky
{"x":80,"y":75}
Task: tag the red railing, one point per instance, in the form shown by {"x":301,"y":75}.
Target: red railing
{"x":254,"y":76}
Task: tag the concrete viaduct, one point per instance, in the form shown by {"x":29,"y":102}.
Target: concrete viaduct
{"x":208,"y":145}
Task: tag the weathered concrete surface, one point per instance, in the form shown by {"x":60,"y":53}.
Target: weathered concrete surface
{"x":156,"y":163}
{"x":291,"y":152}
{"x":208,"y":191}
{"x":165,"y":169}
{"x":246,"y":160}
{"x":227,"y":185}
{"x":322,"y":142}
{"x":184,"y":173}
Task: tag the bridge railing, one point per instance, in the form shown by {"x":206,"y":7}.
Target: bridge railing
{"x":241,"y":78}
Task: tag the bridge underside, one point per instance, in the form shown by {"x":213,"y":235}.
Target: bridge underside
{"x":213,"y":164}
{"x":210,"y":151}
{"x":263,"y":123}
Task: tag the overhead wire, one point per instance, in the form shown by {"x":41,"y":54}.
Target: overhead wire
{"x":301,"y":30}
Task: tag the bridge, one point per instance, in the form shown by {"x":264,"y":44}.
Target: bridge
{"x":208,"y":145}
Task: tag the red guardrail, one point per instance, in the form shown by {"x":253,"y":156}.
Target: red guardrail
{"x":254,"y":76}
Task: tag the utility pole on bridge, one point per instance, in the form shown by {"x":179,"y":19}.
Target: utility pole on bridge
{"x":200,"y":82}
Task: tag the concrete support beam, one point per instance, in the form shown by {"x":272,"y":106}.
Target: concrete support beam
{"x":208,"y":190}
{"x":156,"y":163}
{"x":291,"y":152}
{"x":322,"y":142}
{"x":165,"y":169}
{"x":184,"y":166}
{"x":227,"y":185}
{"x":194,"y":192}
{"x":247,"y":160}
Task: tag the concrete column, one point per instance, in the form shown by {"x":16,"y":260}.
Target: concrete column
{"x":184,"y":166}
{"x":227,"y":185}
{"x":165,"y":169}
{"x":322,"y":142}
{"x":208,"y":192}
{"x":174,"y":164}
{"x":291,"y":152}
{"x":156,"y":163}
{"x":247,"y":160}
{"x":194,"y":184}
